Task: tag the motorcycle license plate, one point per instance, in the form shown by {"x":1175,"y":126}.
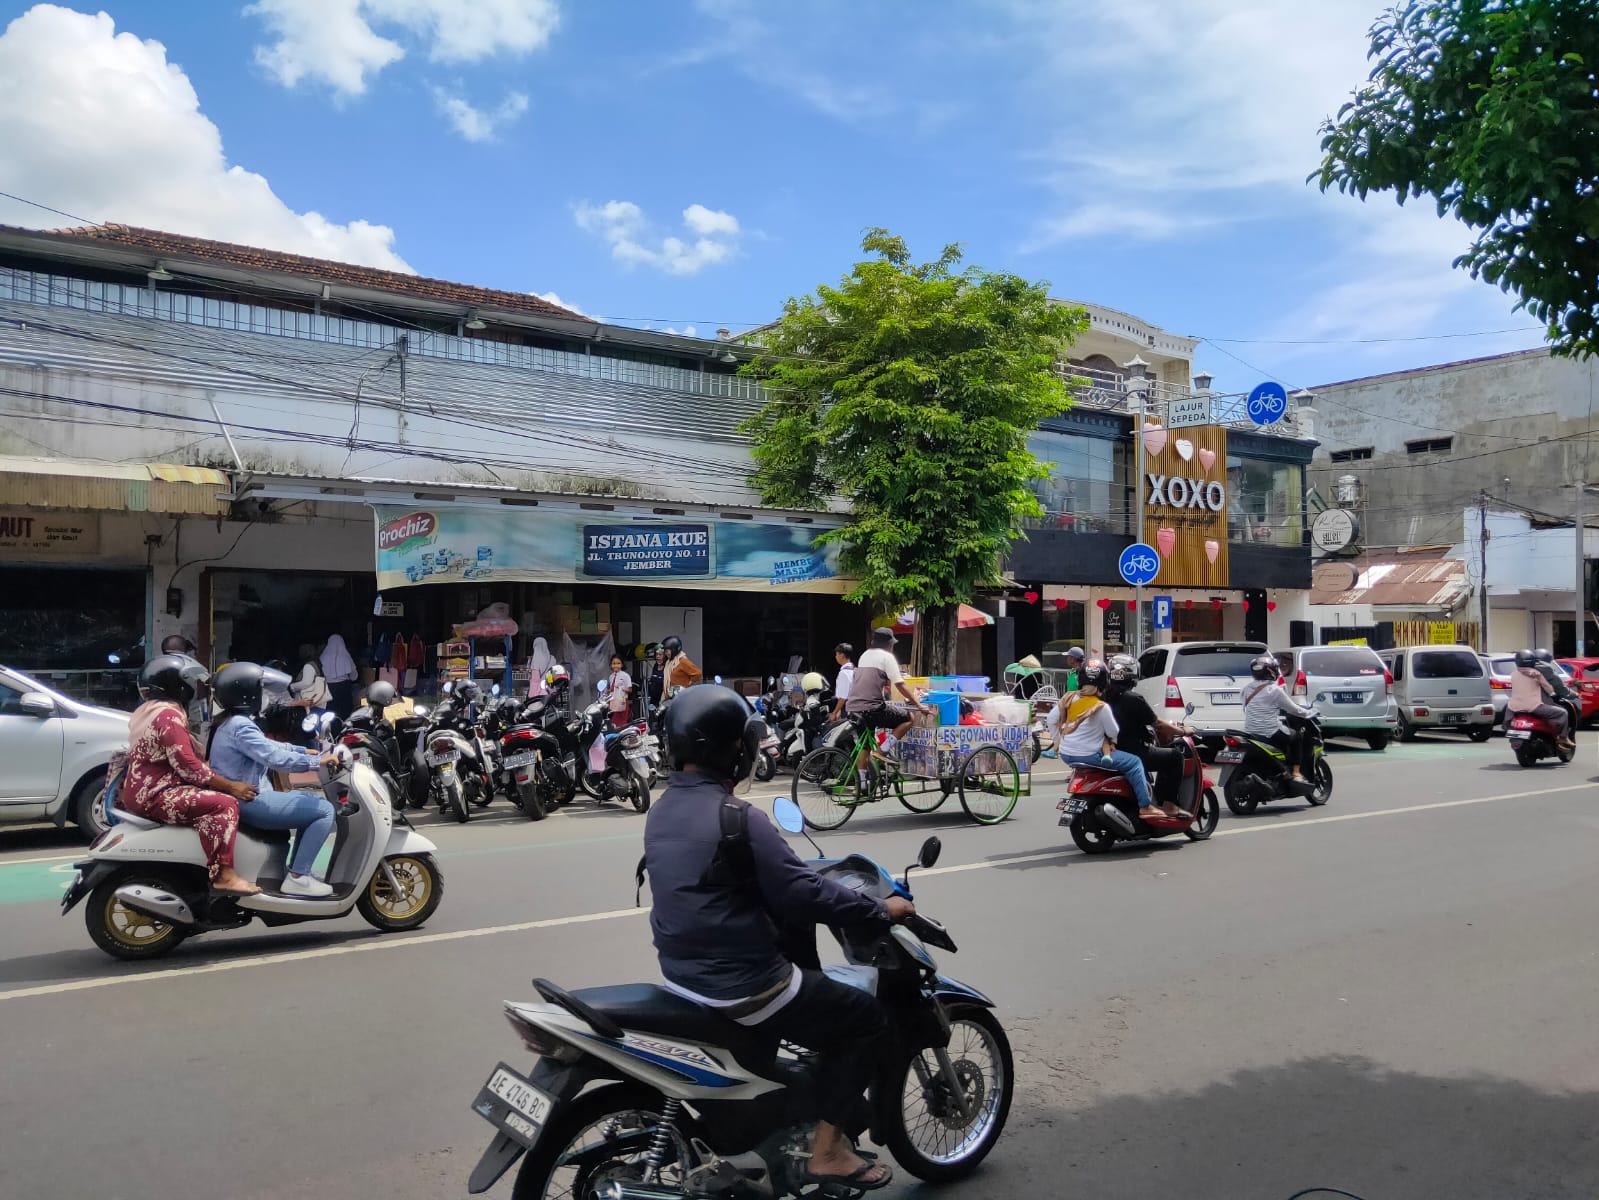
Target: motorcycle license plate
{"x":513,"y":1105}
{"x":443,"y":760}
{"x":1517,"y":735}
{"x":1230,"y":756}
{"x":1073,"y":806}
{"x":524,"y":759}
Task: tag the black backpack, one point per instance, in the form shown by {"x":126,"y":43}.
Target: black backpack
{"x":733,"y":865}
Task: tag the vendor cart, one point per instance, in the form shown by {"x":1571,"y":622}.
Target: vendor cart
{"x":987,"y":766}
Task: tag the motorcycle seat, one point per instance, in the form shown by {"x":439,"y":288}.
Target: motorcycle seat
{"x":647,"y":1008}
{"x":121,"y":816}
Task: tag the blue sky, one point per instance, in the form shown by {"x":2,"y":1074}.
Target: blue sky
{"x":693,"y":163}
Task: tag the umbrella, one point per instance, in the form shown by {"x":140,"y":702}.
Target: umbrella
{"x":970,"y":618}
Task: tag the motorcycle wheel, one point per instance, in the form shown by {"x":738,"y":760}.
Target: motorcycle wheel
{"x":930,"y":1140}
{"x":641,"y":795}
{"x":1091,"y":837}
{"x":1321,"y":784}
{"x":1035,"y":749}
{"x":620,"y":1112}
{"x":455,"y":799}
{"x":1239,"y":801}
{"x":421,"y":889}
{"x":765,"y":768}
{"x":481,"y":793}
{"x":1206,"y":818}
{"x":1525,"y":756}
{"x":528,"y":800}
{"x":119,"y":930}
{"x":586,"y":783}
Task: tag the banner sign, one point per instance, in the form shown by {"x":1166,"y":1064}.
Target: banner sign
{"x":938,"y":753}
{"x":451,"y":545}
{"x":1185,"y":499}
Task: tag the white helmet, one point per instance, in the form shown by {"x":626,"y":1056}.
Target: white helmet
{"x":813,"y":681}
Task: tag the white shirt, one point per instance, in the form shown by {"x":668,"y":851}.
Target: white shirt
{"x":884,"y":661}
{"x":1090,"y":735}
{"x":846,"y":679}
{"x":1263,"y":701}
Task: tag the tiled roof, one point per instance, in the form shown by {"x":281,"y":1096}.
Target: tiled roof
{"x":176,"y":248}
{"x":1423,"y":578}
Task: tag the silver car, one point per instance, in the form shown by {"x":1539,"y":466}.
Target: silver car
{"x":55,"y":752}
{"x":1348,"y":686}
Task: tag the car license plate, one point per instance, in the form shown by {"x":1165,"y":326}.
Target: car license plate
{"x":514,"y":1105}
{"x":1226,"y":697}
{"x":1454,"y":719}
{"x":1230,"y":756}
{"x":443,"y":760}
{"x":525,"y":758}
{"x":1348,"y":697}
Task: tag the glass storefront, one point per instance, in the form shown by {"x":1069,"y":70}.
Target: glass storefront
{"x":1265,"y":502}
{"x":1086,"y":490}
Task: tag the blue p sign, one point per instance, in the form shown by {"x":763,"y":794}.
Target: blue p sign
{"x":1267,"y":404}
{"x":1162,"y":612}
{"x":1139,"y":564}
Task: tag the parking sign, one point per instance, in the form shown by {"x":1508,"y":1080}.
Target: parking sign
{"x":1162,"y":612}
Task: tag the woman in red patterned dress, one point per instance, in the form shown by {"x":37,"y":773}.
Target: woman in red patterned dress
{"x":168,"y":780}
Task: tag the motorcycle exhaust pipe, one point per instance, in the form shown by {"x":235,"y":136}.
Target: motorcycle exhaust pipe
{"x":627,"y":1190}
{"x":157,"y":903}
{"x":1114,"y":815}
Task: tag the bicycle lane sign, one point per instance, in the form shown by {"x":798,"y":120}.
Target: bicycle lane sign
{"x":1139,"y":564}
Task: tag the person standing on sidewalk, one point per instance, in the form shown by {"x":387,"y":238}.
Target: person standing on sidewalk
{"x":338,"y":668}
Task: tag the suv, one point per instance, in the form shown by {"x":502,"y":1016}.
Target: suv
{"x":55,"y":752}
{"x":1348,"y":686}
{"x":1441,"y":687}
{"x":1205,"y":678}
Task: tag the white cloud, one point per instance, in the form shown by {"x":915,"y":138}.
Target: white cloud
{"x":621,"y":223}
{"x":478,"y":124}
{"x":554,"y":298}
{"x":335,"y":42}
{"x":100,"y":123}
{"x":686,"y":331}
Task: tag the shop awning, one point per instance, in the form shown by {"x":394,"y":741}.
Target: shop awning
{"x":117,"y":487}
{"x":969,"y":618}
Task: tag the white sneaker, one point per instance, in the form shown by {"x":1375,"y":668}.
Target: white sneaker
{"x":307,"y":886}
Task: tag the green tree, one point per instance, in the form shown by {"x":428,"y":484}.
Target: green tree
{"x":909,"y":390}
{"x":1490,"y":107}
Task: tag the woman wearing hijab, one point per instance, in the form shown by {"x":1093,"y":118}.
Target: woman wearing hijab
{"x":338,"y":668}
{"x":540,"y":661}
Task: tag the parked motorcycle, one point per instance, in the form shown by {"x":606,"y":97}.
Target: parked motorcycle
{"x":1533,"y":738}
{"x":532,"y":759}
{"x":148,"y":888}
{"x":392,"y":749}
{"x":458,"y":777}
{"x":1101,"y":810}
{"x":638,"y":1094}
{"x":1255,"y":772}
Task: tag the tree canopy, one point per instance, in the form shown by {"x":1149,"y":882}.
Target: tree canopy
{"x":909,"y":390}
{"x":1491,"y":108}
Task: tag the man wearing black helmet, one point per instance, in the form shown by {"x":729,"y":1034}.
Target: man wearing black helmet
{"x":729,"y":899}
{"x":1137,"y":729}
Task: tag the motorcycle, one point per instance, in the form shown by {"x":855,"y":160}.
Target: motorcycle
{"x":531,"y":757}
{"x":392,"y":749}
{"x":148,"y":889}
{"x":625,"y":773}
{"x":1255,"y":772}
{"x":458,"y":774}
{"x":1532,"y":737}
{"x":1101,"y":810}
{"x":639,"y":1094}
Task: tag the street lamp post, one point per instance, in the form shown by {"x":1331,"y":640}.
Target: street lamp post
{"x":1137,"y":384}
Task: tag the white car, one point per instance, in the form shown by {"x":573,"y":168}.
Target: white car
{"x":55,"y":752}
{"x":1210,"y":676}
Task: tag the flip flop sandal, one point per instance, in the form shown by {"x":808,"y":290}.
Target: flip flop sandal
{"x":856,"y":1179}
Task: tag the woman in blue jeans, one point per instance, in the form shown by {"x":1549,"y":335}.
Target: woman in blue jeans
{"x":238,"y":741}
{"x":1085,"y":732}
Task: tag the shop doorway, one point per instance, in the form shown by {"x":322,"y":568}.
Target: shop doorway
{"x":78,"y":629}
{"x":262,"y":616}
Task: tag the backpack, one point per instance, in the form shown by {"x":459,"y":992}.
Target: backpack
{"x":733,"y":864}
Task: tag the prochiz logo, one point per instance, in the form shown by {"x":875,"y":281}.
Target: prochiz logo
{"x":403,"y":533}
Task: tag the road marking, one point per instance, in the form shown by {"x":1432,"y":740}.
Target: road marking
{"x":381,"y":943}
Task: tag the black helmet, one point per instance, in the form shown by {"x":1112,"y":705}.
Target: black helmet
{"x":1526,"y":658}
{"x":1093,"y":674}
{"x":1123,"y":671}
{"x":1544,"y":655}
{"x":237,"y":688}
{"x":1264,"y":667}
{"x":672,"y":645}
{"x":172,"y":677}
{"x":380,"y":694}
{"x":711,"y":726}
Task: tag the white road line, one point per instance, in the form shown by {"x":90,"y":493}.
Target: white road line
{"x":18,"y":862}
{"x":267,"y":960}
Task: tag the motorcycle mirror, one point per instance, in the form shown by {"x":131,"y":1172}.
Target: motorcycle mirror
{"x":447,"y":688}
{"x":788,"y":816}
{"x":1188,"y":709}
{"x":113,"y":659}
{"x":602,"y":685}
{"x":718,"y":679}
{"x":309,"y":724}
{"x":495,"y":690}
{"x":420,"y":710}
{"x":931,"y":849}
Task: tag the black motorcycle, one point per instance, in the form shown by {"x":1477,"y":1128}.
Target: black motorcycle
{"x":532,"y":759}
{"x":458,"y":778}
{"x":1255,"y":772}
{"x":392,"y":749}
{"x":639,"y":1094}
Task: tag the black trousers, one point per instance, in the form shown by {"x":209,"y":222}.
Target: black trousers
{"x":845,"y":1027}
{"x":1298,"y":747}
{"x":1165,"y":765}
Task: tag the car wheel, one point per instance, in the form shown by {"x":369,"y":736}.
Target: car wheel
{"x":1481,"y":733}
{"x":1377,"y":741}
{"x":88,"y":806}
{"x":1407,"y":731}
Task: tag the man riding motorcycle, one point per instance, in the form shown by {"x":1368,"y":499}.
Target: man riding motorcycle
{"x":1537,"y":690}
{"x":1265,"y":703}
{"x":734,"y":908}
{"x":1139,"y":727}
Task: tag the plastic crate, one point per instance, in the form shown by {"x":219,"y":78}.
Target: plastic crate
{"x":948,"y":705}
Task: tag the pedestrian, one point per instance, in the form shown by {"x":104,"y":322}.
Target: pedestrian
{"x":539,"y":662}
{"x":310,"y":687}
{"x":844,"y":656}
{"x":338,"y":668}
{"x":680,"y":670}
{"x":619,"y":692}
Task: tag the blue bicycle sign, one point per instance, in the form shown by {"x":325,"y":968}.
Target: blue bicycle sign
{"x":1267,"y":404}
{"x":1139,"y":564}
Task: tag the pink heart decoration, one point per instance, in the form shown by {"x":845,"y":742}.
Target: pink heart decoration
{"x":1212,"y":549}
{"x":1166,"y":540}
{"x":1154,"y":439}
{"x":1185,"y":448}
{"x":1207,"y":457}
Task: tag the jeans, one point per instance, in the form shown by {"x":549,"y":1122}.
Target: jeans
{"x":844,"y":1026}
{"x":1128,"y":764}
{"x":308,"y":812}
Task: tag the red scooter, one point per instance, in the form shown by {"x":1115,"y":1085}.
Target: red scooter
{"x":1532,"y":737}
{"x":1101,"y":809}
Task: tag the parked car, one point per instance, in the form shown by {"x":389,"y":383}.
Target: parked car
{"x":1210,"y":676}
{"x":1348,"y":685}
{"x":1441,"y":687}
{"x":55,"y":752}
{"x":1584,"y":673}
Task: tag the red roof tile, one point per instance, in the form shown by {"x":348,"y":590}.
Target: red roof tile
{"x":177,"y":247}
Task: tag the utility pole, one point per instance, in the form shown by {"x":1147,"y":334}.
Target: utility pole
{"x":1482,"y":572}
{"x":1580,"y":605}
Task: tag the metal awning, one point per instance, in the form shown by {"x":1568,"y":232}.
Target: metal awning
{"x":116,"y":487}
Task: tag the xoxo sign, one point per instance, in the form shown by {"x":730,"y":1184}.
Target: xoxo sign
{"x":1175,"y":491}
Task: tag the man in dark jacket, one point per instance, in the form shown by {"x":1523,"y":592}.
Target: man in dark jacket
{"x":725,"y":908}
{"x":1139,"y":728}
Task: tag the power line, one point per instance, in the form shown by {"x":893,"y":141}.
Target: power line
{"x":48,"y":209}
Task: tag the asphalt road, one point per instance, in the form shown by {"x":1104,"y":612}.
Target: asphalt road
{"x":1392,"y":995}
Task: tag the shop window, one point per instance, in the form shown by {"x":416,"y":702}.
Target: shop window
{"x":1265,"y":502}
{"x":1086,"y":489}
{"x":1063,"y":628}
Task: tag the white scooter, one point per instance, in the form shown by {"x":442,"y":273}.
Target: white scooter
{"x":148,"y":889}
